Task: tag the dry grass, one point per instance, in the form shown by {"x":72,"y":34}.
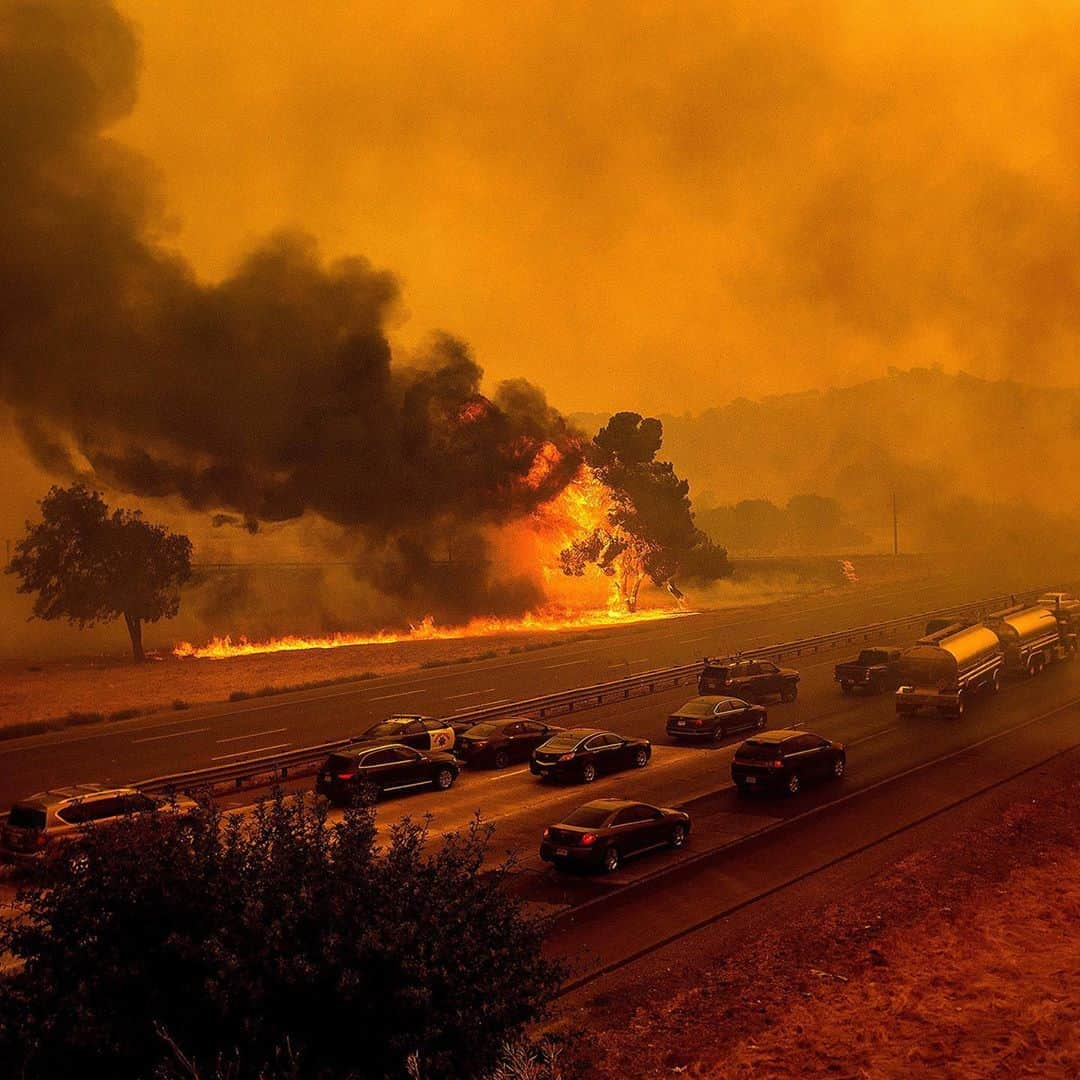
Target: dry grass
{"x":960,"y":962}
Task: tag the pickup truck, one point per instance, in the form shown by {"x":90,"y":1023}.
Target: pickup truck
{"x":874,"y":670}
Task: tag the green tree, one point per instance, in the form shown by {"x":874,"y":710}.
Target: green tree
{"x":650,"y":530}
{"x":272,"y":945}
{"x":89,"y":564}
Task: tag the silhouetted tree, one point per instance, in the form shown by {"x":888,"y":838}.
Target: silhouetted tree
{"x":650,"y":531}
{"x":272,"y":945}
{"x":89,"y":565}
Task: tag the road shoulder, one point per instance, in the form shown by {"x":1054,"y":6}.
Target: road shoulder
{"x":959,"y":954}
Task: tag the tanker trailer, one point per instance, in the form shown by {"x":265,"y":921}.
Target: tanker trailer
{"x":942,"y":670}
{"x":1032,"y":637}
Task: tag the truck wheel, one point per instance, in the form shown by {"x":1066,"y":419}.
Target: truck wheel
{"x":845,"y":687}
{"x":961,"y":707}
{"x":995,"y":682}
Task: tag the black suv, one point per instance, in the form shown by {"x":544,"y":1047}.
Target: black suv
{"x":346,"y":775}
{"x":875,"y":670}
{"x":783,"y":760}
{"x":751,"y":680}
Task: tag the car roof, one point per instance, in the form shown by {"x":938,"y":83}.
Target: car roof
{"x":505,"y":721}
{"x":368,"y":748}
{"x":777,"y":735}
{"x":610,"y":804}
{"x":407,"y":716}
{"x":57,"y":796}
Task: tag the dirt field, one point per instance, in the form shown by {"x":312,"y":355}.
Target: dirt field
{"x":960,"y":962}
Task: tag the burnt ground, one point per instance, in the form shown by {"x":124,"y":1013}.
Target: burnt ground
{"x":962,"y":959}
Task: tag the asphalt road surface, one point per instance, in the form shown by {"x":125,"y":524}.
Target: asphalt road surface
{"x":133,"y":750}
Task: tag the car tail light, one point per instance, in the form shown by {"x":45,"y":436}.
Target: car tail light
{"x":567,"y":757}
{"x":777,"y":764}
{"x":588,"y":839}
{"x":698,"y":722}
{"x":345,"y":775}
{"x":547,"y":832}
{"x":40,"y":839}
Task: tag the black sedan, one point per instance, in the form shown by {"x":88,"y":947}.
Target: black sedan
{"x":349,"y":775}
{"x":601,"y":834}
{"x":498,"y":743}
{"x":785,"y":760}
{"x":715,"y":717}
{"x":581,"y":754}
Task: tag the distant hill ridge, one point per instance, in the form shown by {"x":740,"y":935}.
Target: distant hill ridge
{"x":922,"y":432}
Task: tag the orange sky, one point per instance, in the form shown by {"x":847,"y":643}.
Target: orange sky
{"x":647,"y":205}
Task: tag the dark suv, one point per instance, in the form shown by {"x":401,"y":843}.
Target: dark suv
{"x":784,"y":760}
{"x":750,"y":680}
{"x":380,"y":770}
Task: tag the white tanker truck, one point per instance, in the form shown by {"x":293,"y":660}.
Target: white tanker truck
{"x":1033,"y":637}
{"x":943,"y":669}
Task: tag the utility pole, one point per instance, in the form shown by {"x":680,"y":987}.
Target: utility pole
{"x":895,"y":528}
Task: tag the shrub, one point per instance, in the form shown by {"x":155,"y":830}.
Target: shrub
{"x":73,"y":718}
{"x":179,"y":704}
{"x":239,"y":695}
{"x":125,"y":714}
{"x":251,"y":941}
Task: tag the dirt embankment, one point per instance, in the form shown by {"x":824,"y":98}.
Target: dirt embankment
{"x":962,"y":961}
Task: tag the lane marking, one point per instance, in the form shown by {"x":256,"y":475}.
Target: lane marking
{"x":471,"y":693}
{"x":875,"y":735}
{"x":173,"y":735}
{"x":568,"y":663}
{"x":253,"y":750}
{"x":504,"y":775}
{"x":482,"y":704}
{"x":397,"y":694}
{"x":253,"y":735}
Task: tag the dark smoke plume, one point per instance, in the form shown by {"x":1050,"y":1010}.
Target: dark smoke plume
{"x":265,"y":396}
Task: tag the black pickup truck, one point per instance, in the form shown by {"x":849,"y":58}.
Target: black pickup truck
{"x":750,"y":680}
{"x":874,"y":670}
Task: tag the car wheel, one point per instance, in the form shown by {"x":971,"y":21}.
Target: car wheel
{"x":502,"y":759}
{"x":611,"y":860}
{"x":789,"y":691}
{"x":641,"y":758}
{"x":719,"y":734}
{"x":839,"y":766}
{"x":444,"y":779}
{"x":794,"y":784}
{"x":678,"y":836}
{"x":761,"y":721}
{"x":588,"y":772}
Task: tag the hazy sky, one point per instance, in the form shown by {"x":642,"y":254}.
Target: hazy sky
{"x":647,"y":204}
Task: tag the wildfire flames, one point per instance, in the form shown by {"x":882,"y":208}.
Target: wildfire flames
{"x":536,"y":542}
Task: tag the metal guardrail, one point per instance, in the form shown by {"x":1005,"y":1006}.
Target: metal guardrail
{"x":278,"y":766}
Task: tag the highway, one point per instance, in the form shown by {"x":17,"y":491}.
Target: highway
{"x":166,"y":743}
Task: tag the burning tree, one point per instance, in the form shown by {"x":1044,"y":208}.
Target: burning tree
{"x":90,"y":565}
{"x":650,"y":530}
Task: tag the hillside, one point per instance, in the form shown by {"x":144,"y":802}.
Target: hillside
{"x":933,"y":438}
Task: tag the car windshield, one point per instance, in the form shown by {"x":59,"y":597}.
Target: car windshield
{"x":387,"y":727}
{"x":566,"y":741}
{"x":872,"y":656}
{"x":481,"y":731}
{"x":756,"y":751}
{"x":588,"y":817}
{"x":27,"y":817}
{"x":698,"y":707}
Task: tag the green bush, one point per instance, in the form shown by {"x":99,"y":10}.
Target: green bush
{"x":255,"y":941}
